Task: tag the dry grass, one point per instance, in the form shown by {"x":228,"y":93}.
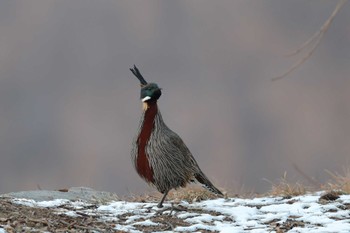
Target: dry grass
{"x":285,"y":188}
{"x":148,"y":197}
{"x":339,"y":181}
{"x":190,"y":194}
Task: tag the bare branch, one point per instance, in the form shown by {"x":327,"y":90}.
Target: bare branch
{"x":313,"y":41}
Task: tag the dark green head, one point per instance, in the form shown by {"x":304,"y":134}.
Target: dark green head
{"x":149,"y":91}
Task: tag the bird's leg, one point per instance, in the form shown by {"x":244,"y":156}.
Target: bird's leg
{"x":160,"y":204}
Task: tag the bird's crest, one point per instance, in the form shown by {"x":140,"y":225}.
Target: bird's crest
{"x":138,"y":75}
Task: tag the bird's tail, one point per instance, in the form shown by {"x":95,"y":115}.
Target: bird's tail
{"x":201,"y":178}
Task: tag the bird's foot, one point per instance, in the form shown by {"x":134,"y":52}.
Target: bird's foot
{"x":171,"y":209}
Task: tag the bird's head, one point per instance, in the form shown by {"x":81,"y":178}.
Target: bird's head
{"x":149,"y":91}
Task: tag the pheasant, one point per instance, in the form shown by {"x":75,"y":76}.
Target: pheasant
{"x":159,"y":155}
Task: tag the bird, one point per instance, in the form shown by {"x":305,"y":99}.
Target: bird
{"x":158,"y":154}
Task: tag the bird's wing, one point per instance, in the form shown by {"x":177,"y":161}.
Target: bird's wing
{"x":198,"y":174}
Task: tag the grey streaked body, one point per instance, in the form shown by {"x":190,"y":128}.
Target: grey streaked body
{"x":170,"y":163}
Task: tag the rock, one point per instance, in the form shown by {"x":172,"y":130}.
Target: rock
{"x":73,"y":194}
{"x":330,"y":196}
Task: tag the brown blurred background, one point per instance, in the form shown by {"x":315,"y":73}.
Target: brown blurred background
{"x":69,"y":106}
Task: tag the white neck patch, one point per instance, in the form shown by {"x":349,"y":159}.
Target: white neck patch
{"x":146,"y":98}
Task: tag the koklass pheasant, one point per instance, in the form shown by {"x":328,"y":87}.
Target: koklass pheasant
{"x":159,"y":155}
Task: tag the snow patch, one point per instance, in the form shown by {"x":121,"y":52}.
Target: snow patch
{"x":268,"y":214}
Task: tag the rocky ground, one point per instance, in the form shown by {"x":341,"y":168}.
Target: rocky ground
{"x":86,"y":210}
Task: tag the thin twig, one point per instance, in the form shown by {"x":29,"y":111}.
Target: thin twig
{"x":300,"y":61}
{"x":88,"y":228}
{"x":170,"y":226}
{"x":43,"y":221}
{"x":306,"y":43}
{"x":323,"y":29}
{"x":315,"y":40}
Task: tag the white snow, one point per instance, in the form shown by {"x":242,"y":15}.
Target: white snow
{"x":258,"y":215}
